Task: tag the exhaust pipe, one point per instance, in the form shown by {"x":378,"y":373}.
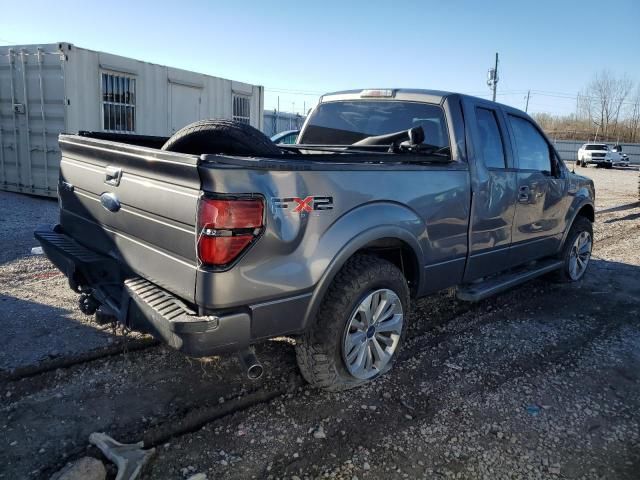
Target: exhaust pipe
{"x":250,"y":363}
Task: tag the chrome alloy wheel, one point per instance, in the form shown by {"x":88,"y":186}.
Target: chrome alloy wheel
{"x":580,"y":255}
{"x":372,"y":334}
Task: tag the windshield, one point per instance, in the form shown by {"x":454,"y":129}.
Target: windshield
{"x":596,"y":147}
{"x":344,"y":123}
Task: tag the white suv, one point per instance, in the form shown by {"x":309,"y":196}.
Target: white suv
{"x":598,"y":154}
{"x":623,"y":161}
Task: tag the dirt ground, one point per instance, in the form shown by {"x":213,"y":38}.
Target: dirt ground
{"x":539,"y":382}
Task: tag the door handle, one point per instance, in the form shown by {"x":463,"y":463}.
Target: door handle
{"x":523,"y":194}
{"x":112,"y":176}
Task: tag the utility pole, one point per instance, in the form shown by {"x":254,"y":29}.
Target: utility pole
{"x":526,"y":107}
{"x":492,"y":78}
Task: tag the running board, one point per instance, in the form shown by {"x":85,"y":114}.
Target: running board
{"x":475,"y":292}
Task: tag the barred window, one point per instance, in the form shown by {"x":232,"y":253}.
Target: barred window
{"x":118,"y":102}
{"x":242,"y":108}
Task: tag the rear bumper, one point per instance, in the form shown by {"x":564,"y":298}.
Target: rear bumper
{"x":142,"y":305}
{"x":156,"y":311}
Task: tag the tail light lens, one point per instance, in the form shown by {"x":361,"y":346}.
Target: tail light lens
{"x":226,"y":227}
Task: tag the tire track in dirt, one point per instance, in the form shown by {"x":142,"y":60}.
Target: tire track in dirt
{"x":121,"y":348}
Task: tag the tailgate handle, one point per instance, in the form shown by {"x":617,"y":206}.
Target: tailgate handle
{"x":113,"y":176}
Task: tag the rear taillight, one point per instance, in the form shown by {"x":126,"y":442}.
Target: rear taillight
{"x":226,"y":227}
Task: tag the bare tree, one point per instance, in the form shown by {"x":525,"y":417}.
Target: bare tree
{"x":633,"y":116}
{"x":602,"y":100}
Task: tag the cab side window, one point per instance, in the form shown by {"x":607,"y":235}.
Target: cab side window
{"x":490,"y":141}
{"x":533,"y":150}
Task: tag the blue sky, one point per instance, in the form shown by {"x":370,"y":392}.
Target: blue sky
{"x":298,"y":49}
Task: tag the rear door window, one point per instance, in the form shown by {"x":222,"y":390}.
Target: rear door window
{"x":532,"y":149}
{"x":490,"y":141}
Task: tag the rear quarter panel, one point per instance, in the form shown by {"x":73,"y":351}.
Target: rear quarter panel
{"x":425,"y":206}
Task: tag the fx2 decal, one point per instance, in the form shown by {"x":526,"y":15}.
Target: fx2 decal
{"x":301,"y":206}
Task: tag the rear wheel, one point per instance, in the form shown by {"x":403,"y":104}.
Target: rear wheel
{"x":576,"y":251}
{"x":359,"y":327}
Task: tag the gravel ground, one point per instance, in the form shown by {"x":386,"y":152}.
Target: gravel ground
{"x":38,"y":310}
{"x":540,"y":382}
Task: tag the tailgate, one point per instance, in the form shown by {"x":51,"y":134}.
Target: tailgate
{"x":135,"y":204}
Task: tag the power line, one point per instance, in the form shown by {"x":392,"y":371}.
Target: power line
{"x":504,"y":93}
{"x":294,"y":92}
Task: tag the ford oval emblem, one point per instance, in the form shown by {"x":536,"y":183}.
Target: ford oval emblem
{"x":110,"y":201}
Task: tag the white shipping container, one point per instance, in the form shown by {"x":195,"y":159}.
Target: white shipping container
{"x":49,"y":89}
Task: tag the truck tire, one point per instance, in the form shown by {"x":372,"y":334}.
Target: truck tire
{"x":359,"y":327}
{"x":222,"y":137}
{"x":576,"y":251}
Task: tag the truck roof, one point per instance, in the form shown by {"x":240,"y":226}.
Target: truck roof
{"x":411,"y":94}
{"x":408,"y":94}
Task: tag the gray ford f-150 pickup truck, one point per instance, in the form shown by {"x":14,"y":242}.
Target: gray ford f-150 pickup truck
{"x":216,"y":239}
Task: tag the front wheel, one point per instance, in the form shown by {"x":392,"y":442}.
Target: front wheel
{"x":359,"y":327}
{"x":576,"y":251}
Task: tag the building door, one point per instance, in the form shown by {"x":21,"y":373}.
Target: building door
{"x":184,"y":105}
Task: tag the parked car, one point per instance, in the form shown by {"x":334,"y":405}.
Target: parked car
{"x":598,"y":154}
{"x":288,"y":137}
{"x":220,"y":239}
{"x":623,"y":158}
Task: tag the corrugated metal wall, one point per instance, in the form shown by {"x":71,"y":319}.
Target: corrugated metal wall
{"x":154,"y":103}
{"x":49,"y":89}
{"x":276,"y":122}
{"x":568,"y":150}
{"x":32,"y":114}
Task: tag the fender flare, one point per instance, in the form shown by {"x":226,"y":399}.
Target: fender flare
{"x":579,"y":206}
{"x":347,"y":251}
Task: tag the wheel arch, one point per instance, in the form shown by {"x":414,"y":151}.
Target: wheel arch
{"x":390,"y":242}
{"x":587,"y":211}
{"x":584,"y":209}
